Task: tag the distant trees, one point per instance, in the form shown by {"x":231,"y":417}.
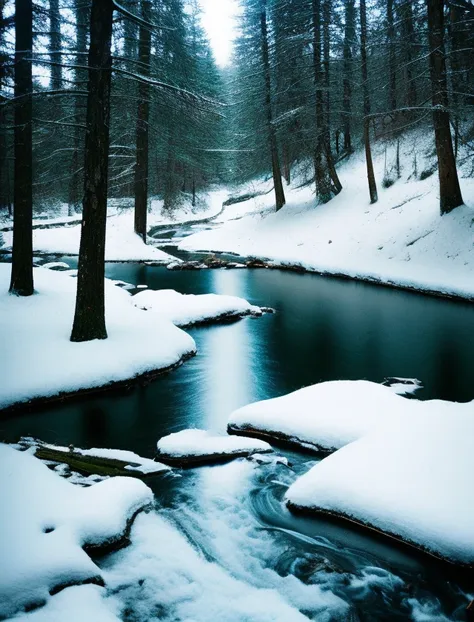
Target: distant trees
{"x":341,"y":68}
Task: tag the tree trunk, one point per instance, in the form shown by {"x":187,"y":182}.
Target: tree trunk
{"x":392,"y":61}
{"x":276,"y":171}
{"x":5,"y":202}
{"x":89,"y":319}
{"x":336,"y":184}
{"x":22,"y":257}
{"x":349,"y":38}
{"x":408,"y":34}
{"x":449,"y":189}
{"x":81,"y":11}
{"x":365,"y":86}
{"x":323,"y":184}
{"x":55,"y":44}
{"x":141,"y":166}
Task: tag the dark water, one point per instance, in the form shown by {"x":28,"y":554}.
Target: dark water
{"x":324,"y":329}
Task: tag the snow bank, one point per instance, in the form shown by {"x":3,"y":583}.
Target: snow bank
{"x":200,"y":445}
{"x":322,"y":417}
{"x":187,"y":213}
{"x":186,"y":310}
{"x":46,"y":522}
{"x":81,"y":603}
{"x":122,"y":244}
{"x":42,"y":362}
{"x":414,"y":481}
{"x":401,"y":240}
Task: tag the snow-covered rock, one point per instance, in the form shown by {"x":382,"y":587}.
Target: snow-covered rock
{"x":414,"y":480}
{"x":43,"y":362}
{"x":198,"y":446}
{"x":189,"y":309}
{"x":321,"y":417}
{"x":46,"y":523}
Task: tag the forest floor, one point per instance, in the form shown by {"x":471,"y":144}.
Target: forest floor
{"x":401,"y":240}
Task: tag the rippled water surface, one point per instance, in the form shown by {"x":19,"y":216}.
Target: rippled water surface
{"x":323,"y":329}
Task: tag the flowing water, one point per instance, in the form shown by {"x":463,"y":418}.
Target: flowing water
{"x":232,"y":515}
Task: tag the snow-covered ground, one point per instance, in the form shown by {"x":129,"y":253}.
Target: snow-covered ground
{"x":400,"y":240}
{"x":186,"y":310}
{"x":46,"y":522}
{"x":40,"y":361}
{"x":195,"y":444}
{"x":122,"y":244}
{"x":412,"y":477}
{"x":325,"y":416}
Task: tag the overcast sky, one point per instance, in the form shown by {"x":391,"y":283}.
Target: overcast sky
{"x":218,"y":18}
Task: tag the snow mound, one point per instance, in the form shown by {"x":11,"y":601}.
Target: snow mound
{"x":414,"y":481}
{"x":321,"y":417}
{"x":43,"y":363}
{"x":79,"y":603}
{"x":49,"y":522}
{"x":191,"y":446}
{"x":190,"y":309}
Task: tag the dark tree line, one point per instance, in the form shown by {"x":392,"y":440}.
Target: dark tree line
{"x":104,"y":99}
{"x":334,"y":74}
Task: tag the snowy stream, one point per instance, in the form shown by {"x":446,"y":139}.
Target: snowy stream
{"x":234,"y":538}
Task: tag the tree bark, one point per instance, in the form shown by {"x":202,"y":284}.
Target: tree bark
{"x":89,"y":319}
{"x":349,"y":38}
{"x":276,"y":171}
{"x":5,"y":202}
{"x":22,"y":256}
{"x":365,"y":86}
{"x":323,"y":184}
{"x":449,"y":190}
{"x":408,"y":35}
{"x":55,"y":44}
{"x":143,"y":112}
{"x":392,"y":60}
{"x":81,"y":13}
{"x":336,"y":184}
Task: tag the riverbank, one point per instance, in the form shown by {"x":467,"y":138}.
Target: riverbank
{"x":400,"y":241}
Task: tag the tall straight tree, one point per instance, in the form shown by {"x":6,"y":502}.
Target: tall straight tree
{"x":89,"y":318}
{"x":276,"y":171}
{"x":365,"y":87}
{"x":392,"y":60}
{"x":449,"y":189}
{"x":55,"y":44}
{"x":143,"y":114}
{"x":22,"y":255}
{"x":349,"y":38}
{"x":81,"y":11}
{"x":336,"y":185}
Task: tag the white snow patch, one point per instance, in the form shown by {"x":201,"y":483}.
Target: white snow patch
{"x":187,"y":309}
{"x":122,"y":243}
{"x":203,"y":443}
{"x":411,"y":477}
{"x":79,"y":603}
{"x":46,"y":521}
{"x":323,"y":416}
{"x":43,"y":362}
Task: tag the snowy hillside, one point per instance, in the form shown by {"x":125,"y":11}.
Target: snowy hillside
{"x":400,"y":240}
